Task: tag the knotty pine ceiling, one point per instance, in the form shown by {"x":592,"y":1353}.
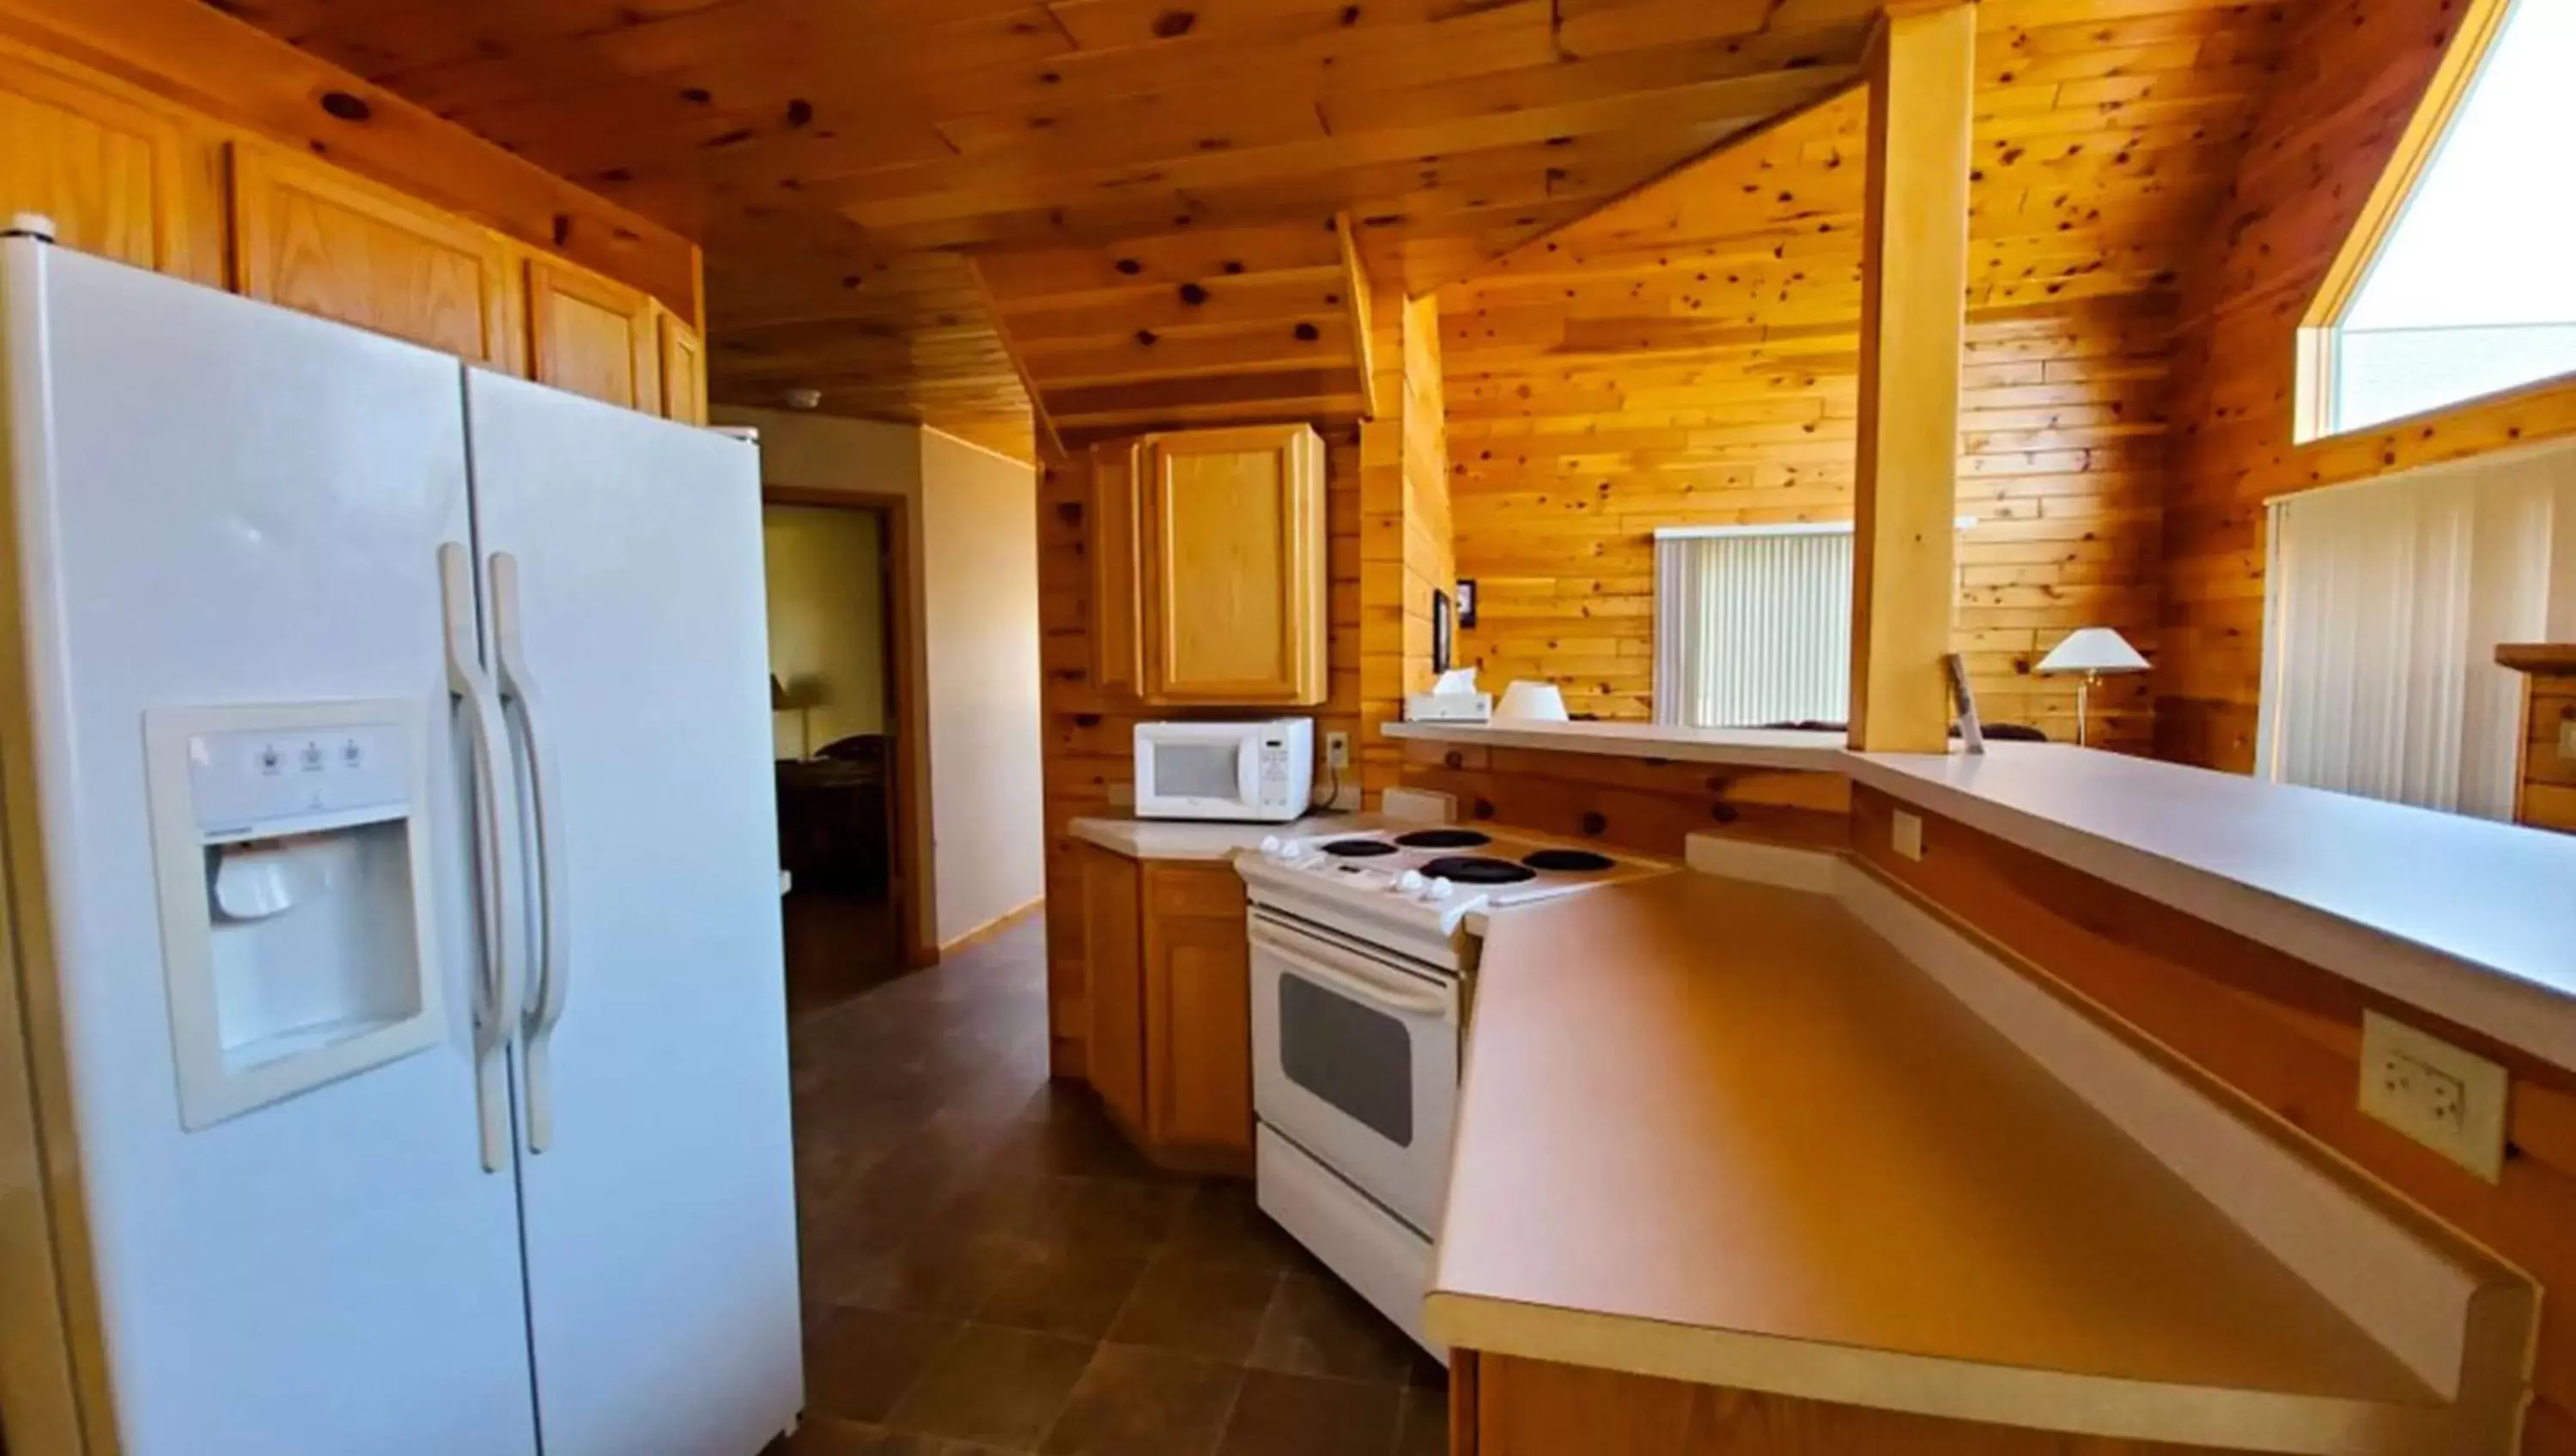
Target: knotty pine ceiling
{"x":836,"y":158}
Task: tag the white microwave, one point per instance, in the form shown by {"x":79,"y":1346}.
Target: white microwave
{"x":1261,"y":771}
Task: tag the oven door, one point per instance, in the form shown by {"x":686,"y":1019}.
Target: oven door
{"x":1355,"y":1060}
{"x":1198,"y":771}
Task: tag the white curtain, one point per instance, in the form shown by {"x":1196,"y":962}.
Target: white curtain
{"x":1752,"y":627}
{"x":2384,"y":605}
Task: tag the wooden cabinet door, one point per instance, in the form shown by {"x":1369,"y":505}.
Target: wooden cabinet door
{"x":312,"y":237}
{"x":1113,"y":959}
{"x":592,"y":335}
{"x":1117,"y":640}
{"x":1233,"y":538}
{"x":684,"y":368}
{"x":120,"y":175}
{"x":1198,"y":1013}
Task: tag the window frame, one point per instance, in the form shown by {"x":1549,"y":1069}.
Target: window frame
{"x":2313,"y":397}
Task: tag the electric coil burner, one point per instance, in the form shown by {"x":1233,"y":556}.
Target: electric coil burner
{"x":1477,"y":869}
{"x":1443,"y":839}
{"x":1358,"y":848}
{"x":1567,"y":861}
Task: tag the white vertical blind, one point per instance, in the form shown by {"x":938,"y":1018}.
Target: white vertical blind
{"x":2385,"y":603}
{"x":1752,"y":628}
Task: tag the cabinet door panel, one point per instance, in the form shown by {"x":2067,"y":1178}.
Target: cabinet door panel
{"x":112,"y":171}
{"x":314,"y":238}
{"x":684,"y":369}
{"x":1113,"y":953}
{"x":1234,"y":567}
{"x":592,"y":336}
{"x":1198,"y":1029}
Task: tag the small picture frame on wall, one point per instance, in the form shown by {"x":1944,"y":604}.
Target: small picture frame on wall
{"x":1466,"y":601}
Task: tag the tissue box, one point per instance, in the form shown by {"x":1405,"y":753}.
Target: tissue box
{"x":1448,"y":707}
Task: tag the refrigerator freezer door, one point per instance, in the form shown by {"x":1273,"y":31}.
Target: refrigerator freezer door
{"x":220,"y":503}
{"x":660,"y":1217}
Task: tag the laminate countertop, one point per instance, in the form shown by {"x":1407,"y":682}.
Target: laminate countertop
{"x":2467,"y":918}
{"x":1718,"y":1131}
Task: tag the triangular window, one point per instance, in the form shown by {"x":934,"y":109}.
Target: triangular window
{"x":2461,"y":279}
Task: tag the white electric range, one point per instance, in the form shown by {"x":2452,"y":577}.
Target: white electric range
{"x":1360,"y":952}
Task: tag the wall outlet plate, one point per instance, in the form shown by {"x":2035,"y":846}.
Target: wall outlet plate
{"x":1907,"y":836}
{"x":1337,"y":750}
{"x":1121,"y":795}
{"x":2449,"y":1100}
{"x":2567,"y":737}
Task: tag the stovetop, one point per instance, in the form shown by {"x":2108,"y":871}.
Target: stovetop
{"x":1431,"y":877}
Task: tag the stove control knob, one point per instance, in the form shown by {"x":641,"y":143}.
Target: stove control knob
{"x":1408,"y":883}
{"x":1437,"y":890}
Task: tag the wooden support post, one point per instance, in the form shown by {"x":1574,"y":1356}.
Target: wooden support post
{"x":1914,"y":260}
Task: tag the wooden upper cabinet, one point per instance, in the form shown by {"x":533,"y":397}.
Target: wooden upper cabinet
{"x":684,"y":368}
{"x":309,"y":236}
{"x":121,"y":175}
{"x":1117,"y":633}
{"x":593,"y":335}
{"x":1232,"y":550}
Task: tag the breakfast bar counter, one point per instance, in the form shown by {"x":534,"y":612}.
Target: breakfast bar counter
{"x":2467,"y":918}
{"x":1719,"y":1132}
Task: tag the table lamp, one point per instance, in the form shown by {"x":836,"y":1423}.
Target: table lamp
{"x":2091,"y":651}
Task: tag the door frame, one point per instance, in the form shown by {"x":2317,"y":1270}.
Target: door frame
{"x":916,"y":900}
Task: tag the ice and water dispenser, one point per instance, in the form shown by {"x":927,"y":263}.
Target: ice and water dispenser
{"x":297,"y":896}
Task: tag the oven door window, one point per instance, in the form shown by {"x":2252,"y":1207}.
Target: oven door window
{"x":1350,"y":1054}
{"x":1198,"y":771}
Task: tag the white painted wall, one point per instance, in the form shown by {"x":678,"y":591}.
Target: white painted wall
{"x":975,"y":537}
{"x":827,"y":626}
{"x":980,"y":578}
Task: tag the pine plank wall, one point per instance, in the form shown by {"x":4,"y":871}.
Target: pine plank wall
{"x":2352,"y":75}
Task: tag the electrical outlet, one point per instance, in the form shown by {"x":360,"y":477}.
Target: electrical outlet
{"x":1908,"y":835}
{"x":1121,"y":795}
{"x":2567,"y":736}
{"x":2449,"y":1100}
{"x":1337,"y":750}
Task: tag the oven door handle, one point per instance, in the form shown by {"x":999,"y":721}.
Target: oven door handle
{"x":1352,"y":975}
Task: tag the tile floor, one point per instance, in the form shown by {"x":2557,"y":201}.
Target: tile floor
{"x":989,"y":1268}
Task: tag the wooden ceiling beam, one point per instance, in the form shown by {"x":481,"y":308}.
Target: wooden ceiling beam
{"x":1050,"y":444}
{"x":1356,"y":295}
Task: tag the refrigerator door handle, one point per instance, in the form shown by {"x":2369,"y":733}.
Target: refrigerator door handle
{"x":554,"y":961}
{"x":497,"y":998}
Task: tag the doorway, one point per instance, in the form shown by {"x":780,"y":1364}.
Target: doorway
{"x":846,"y":757}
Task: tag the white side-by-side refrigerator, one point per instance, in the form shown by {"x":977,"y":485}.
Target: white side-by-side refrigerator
{"x":393,"y":1046}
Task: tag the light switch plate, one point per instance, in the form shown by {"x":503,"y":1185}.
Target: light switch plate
{"x":2449,"y":1100}
{"x":2567,"y":737}
{"x":1908,"y":835}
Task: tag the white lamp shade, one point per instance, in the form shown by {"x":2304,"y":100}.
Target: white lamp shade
{"x":1532,"y":701}
{"x":2093,"y":649}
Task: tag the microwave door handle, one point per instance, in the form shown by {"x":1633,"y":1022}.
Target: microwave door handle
{"x":1353,"y":976}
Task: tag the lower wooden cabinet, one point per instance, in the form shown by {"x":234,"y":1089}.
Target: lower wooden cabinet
{"x":1169,"y":971}
{"x":1113,"y":950}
